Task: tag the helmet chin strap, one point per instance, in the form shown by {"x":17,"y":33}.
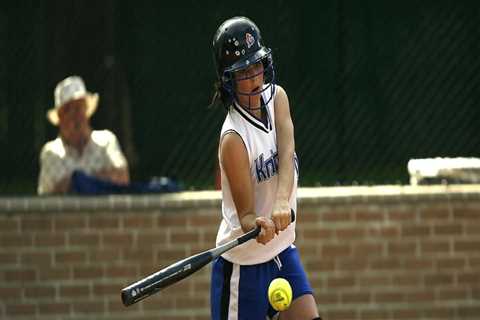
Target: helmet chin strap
{"x":249,"y":106}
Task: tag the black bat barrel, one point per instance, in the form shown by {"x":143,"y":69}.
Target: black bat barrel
{"x":165,"y":277}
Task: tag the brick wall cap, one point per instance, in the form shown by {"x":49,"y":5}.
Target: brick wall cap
{"x":209,"y":199}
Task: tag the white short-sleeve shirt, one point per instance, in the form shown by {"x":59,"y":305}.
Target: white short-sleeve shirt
{"x":58,"y":160}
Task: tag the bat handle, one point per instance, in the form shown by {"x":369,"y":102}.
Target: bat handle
{"x":254,"y":233}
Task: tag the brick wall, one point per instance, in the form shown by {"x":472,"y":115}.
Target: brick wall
{"x":370,"y":252}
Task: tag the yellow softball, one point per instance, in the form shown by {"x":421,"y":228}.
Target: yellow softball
{"x":280,"y":294}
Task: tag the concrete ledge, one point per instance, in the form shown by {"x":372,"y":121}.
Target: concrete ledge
{"x":209,"y":199}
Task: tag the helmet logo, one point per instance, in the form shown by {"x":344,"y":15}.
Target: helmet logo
{"x":249,"y":39}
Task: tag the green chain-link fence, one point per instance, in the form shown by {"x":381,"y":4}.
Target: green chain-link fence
{"x":371,"y":83}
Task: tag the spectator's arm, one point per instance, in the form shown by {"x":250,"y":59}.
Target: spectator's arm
{"x":116,"y":175}
{"x":117,"y":169}
{"x":54,"y":176}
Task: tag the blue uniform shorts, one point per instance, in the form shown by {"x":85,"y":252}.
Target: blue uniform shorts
{"x":241,"y":292}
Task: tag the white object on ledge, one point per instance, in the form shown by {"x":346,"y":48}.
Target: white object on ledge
{"x":466,"y":170}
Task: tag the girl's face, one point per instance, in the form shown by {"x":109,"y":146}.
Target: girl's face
{"x":249,"y":84}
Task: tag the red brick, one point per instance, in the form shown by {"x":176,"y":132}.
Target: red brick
{"x":149,"y":239}
{"x":54,"y":274}
{"x":192,"y":302}
{"x":466,"y":214}
{"x":420,"y":296}
{"x":132,"y":256}
{"x":356,"y":297}
{"x":371,"y":280}
{"x":401,"y":215}
{"x":40,"y":292}
{"x":116,"y":239}
{"x":159,"y":303}
{"x":36,"y":258}
{"x":164,"y":254}
{"x":204,"y":222}
{"x":115,"y":306}
{"x":474,"y":262}
{"x":467,"y":246}
{"x":99,"y":256}
{"x":103,"y":222}
{"x":71,"y":257}
{"x":341,"y":315}
{"x":406,"y":314}
{"x":21,"y":275}
{"x":16,"y":241}
{"x":320,"y":265}
{"x":9,"y":224}
{"x":104,"y":289}
{"x":308,"y":249}
{"x":352,"y":265}
{"x":88,"y":307}
{"x":172,"y":220}
{"x":470,"y":312}
{"x":476,"y":293}
{"x":71,"y":222}
{"x":87,"y":272}
{"x":308,"y":218}
{"x":407,"y":279}
{"x":448,"y":229}
{"x":389,"y":297}
{"x":472,"y":229}
{"x":434,"y":214}
{"x":367,"y":249}
{"x":416,"y":264}
{"x":120,"y":272}
{"x":349,"y":233}
{"x":84,"y":239}
{"x":210,"y":237}
{"x":469,"y":278}
{"x":369,"y":216}
{"x":374,"y":314}
{"x":400,"y":248}
{"x":336,"y":216}
{"x":335,"y":250}
{"x":316,"y":234}
{"x":439,"y":279}
{"x":179,"y":237}
{"x":434,"y":246}
{"x":415,"y":231}
{"x":336,"y":282}
{"x":452,"y":294}
{"x":29,"y":224}
{"x":327,"y":298}
{"x":54,"y":308}
{"x":21,"y":309}
{"x":45,"y":240}
{"x":450,"y":263}
{"x":8,"y":258}
{"x":385,"y":264}
{"x":74,"y":291}
{"x":143,"y":221}
{"x":439,"y":313}
{"x":10,"y":293}
{"x":383,"y":232}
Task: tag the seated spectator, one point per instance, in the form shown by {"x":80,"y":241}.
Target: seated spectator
{"x":95,"y":152}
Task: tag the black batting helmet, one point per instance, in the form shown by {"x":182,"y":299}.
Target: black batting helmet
{"x":237,"y":44}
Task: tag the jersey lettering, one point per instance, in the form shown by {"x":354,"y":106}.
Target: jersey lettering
{"x":265,"y":169}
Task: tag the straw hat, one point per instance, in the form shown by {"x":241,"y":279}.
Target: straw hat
{"x":71,"y":88}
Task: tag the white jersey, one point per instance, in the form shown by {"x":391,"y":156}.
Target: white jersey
{"x":260,"y":140}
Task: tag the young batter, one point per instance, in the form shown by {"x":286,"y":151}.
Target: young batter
{"x":259,"y":172}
